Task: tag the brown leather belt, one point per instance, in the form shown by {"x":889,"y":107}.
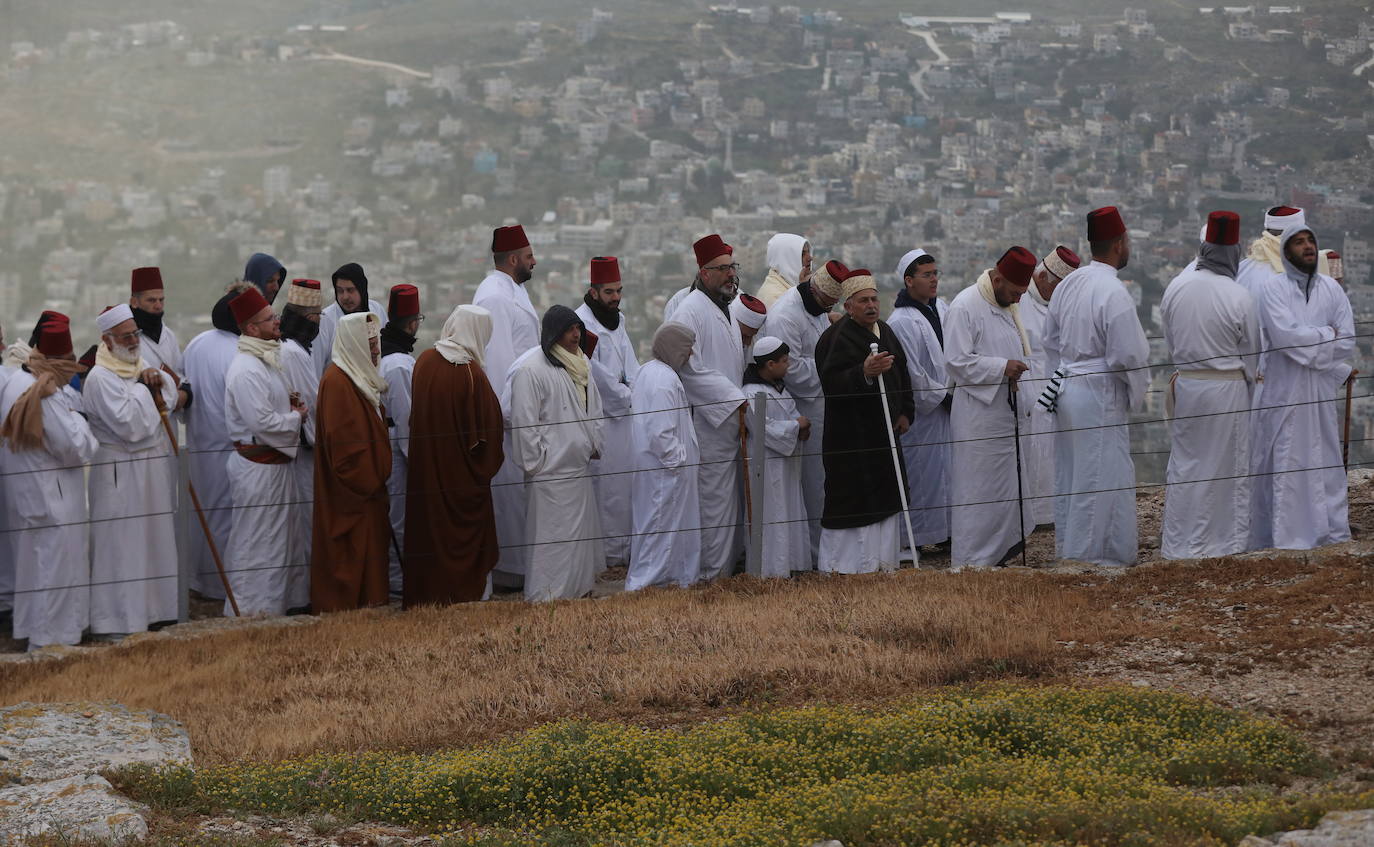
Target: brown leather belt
{"x":261,"y":454}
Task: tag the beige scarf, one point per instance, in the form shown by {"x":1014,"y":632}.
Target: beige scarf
{"x":269,"y":352}
{"x":23,"y":426}
{"x":985,"y":289}
{"x":352,"y":354}
{"x":124,"y":370}
{"x":1269,"y":249}
{"x":578,"y":368}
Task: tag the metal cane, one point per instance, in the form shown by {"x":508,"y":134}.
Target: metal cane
{"x":1020,"y":489}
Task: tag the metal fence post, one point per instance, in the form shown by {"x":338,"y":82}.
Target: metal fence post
{"x":183,"y":533}
{"x":758,"y":453}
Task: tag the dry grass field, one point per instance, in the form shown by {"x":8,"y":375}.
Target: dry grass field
{"x":383,"y":680}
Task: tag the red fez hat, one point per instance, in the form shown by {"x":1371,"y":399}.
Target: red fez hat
{"x":246,"y":305}
{"x":604,"y":269}
{"x":1069,"y":257}
{"x":146,"y":279}
{"x":1223,"y":228}
{"x":1017,"y":265}
{"x":587,"y":342}
{"x":56,"y":337}
{"x":507,"y":238}
{"x":709,"y":248}
{"x":405,"y":302}
{"x":1105,"y":224}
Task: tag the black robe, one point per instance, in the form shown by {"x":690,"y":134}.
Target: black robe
{"x":860,"y":483}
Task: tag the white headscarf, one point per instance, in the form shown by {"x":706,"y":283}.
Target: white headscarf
{"x":905,"y":262}
{"x":785,"y":255}
{"x":353,"y":354}
{"x":465,"y":335}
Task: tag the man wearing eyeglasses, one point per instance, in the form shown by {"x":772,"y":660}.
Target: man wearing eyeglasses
{"x":397,"y":368}
{"x":713,"y":379}
{"x":266,"y":563}
{"x":134,"y":567}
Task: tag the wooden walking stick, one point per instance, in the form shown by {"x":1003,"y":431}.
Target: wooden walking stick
{"x":195,"y":501}
{"x":1345,"y":439}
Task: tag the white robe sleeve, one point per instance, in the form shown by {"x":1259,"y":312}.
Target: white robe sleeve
{"x":1128,"y":351}
{"x":250,"y":393}
{"x":301,"y":376}
{"x":1344,"y":324}
{"x":803,"y":379}
{"x":1304,"y":344}
{"x":398,"y":403}
{"x":125,"y":409}
{"x":66,"y":435}
{"x":979,"y":375}
{"x":529,"y":434}
{"x":615,"y":395}
{"x":781,"y":433}
{"x":927,"y":390}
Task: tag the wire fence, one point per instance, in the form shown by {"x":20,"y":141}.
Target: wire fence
{"x":17,"y":531}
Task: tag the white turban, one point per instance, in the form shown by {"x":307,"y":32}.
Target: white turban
{"x":111,"y":318}
{"x":353,"y":354}
{"x":465,"y":335}
{"x":1282,"y":223}
{"x":905,"y":262}
{"x":745,"y":309}
{"x":785,"y":255}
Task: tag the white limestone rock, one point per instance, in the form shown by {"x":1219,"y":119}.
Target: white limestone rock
{"x":48,"y":741}
{"x":78,"y":808}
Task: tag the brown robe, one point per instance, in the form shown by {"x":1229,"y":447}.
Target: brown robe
{"x":351,"y":530}
{"x":455,"y":450}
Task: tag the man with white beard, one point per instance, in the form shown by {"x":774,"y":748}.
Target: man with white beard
{"x":797,"y":319}
{"x":1039,"y":442}
{"x":614,"y":366}
{"x":47,"y":445}
{"x":1213,"y":333}
{"x":713,"y":379}
{"x":266,"y":566}
{"x":1300,"y":484}
{"x":986,"y":347}
{"x":207,"y":439}
{"x":134,"y":567}
{"x":1094,"y":335}
{"x":515,"y":330}
{"x":789,"y":265}
{"x":918,"y":319}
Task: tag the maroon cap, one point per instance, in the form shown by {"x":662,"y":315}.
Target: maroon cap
{"x":507,"y":238}
{"x":587,"y":343}
{"x":56,"y":337}
{"x":709,"y":248}
{"x":145,"y":279}
{"x":1105,"y":224}
{"x":404,"y":302}
{"x":246,"y":305}
{"x":1017,"y":265}
{"x":1223,"y":228}
{"x":604,"y":269}
{"x":1283,"y":211}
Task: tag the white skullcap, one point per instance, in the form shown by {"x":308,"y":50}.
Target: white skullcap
{"x":113,"y":317}
{"x":905,"y":262}
{"x":766,"y":346}
{"x":749,"y":310}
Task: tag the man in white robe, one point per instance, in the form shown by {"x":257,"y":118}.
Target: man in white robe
{"x":1300,"y":484}
{"x":713,"y":377}
{"x":797,"y":319}
{"x":1039,"y":443}
{"x":159,"y":346}
{"x":266,"y":564}
{"x":556,"y":418}
{"x":918,"y":319}
{"x":397,"y":368}
{"x":134,"y":567}
{"x":207,"y":360}
{"x":350,"y":297}
{"x":665,"y":547}
{"x":1093,"y":334}
{"x":789,"y":265}
{"x":986,"y":348}
{"x":1212,"y":329}
{"x":515,"y":330}
{"x":614,"y":366}
{"x":786,"y":540}
{"x":1265,"y":257}
{"x":300,"y":330}
{"x":47,"y":444}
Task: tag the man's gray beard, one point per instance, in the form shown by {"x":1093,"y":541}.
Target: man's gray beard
{"x":725,"y":298}
{"x":124,"y":354}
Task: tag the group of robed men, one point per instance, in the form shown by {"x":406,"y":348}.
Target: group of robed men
{"x":335,"y":469}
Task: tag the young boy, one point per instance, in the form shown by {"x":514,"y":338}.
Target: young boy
{"x":786,"y":539}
